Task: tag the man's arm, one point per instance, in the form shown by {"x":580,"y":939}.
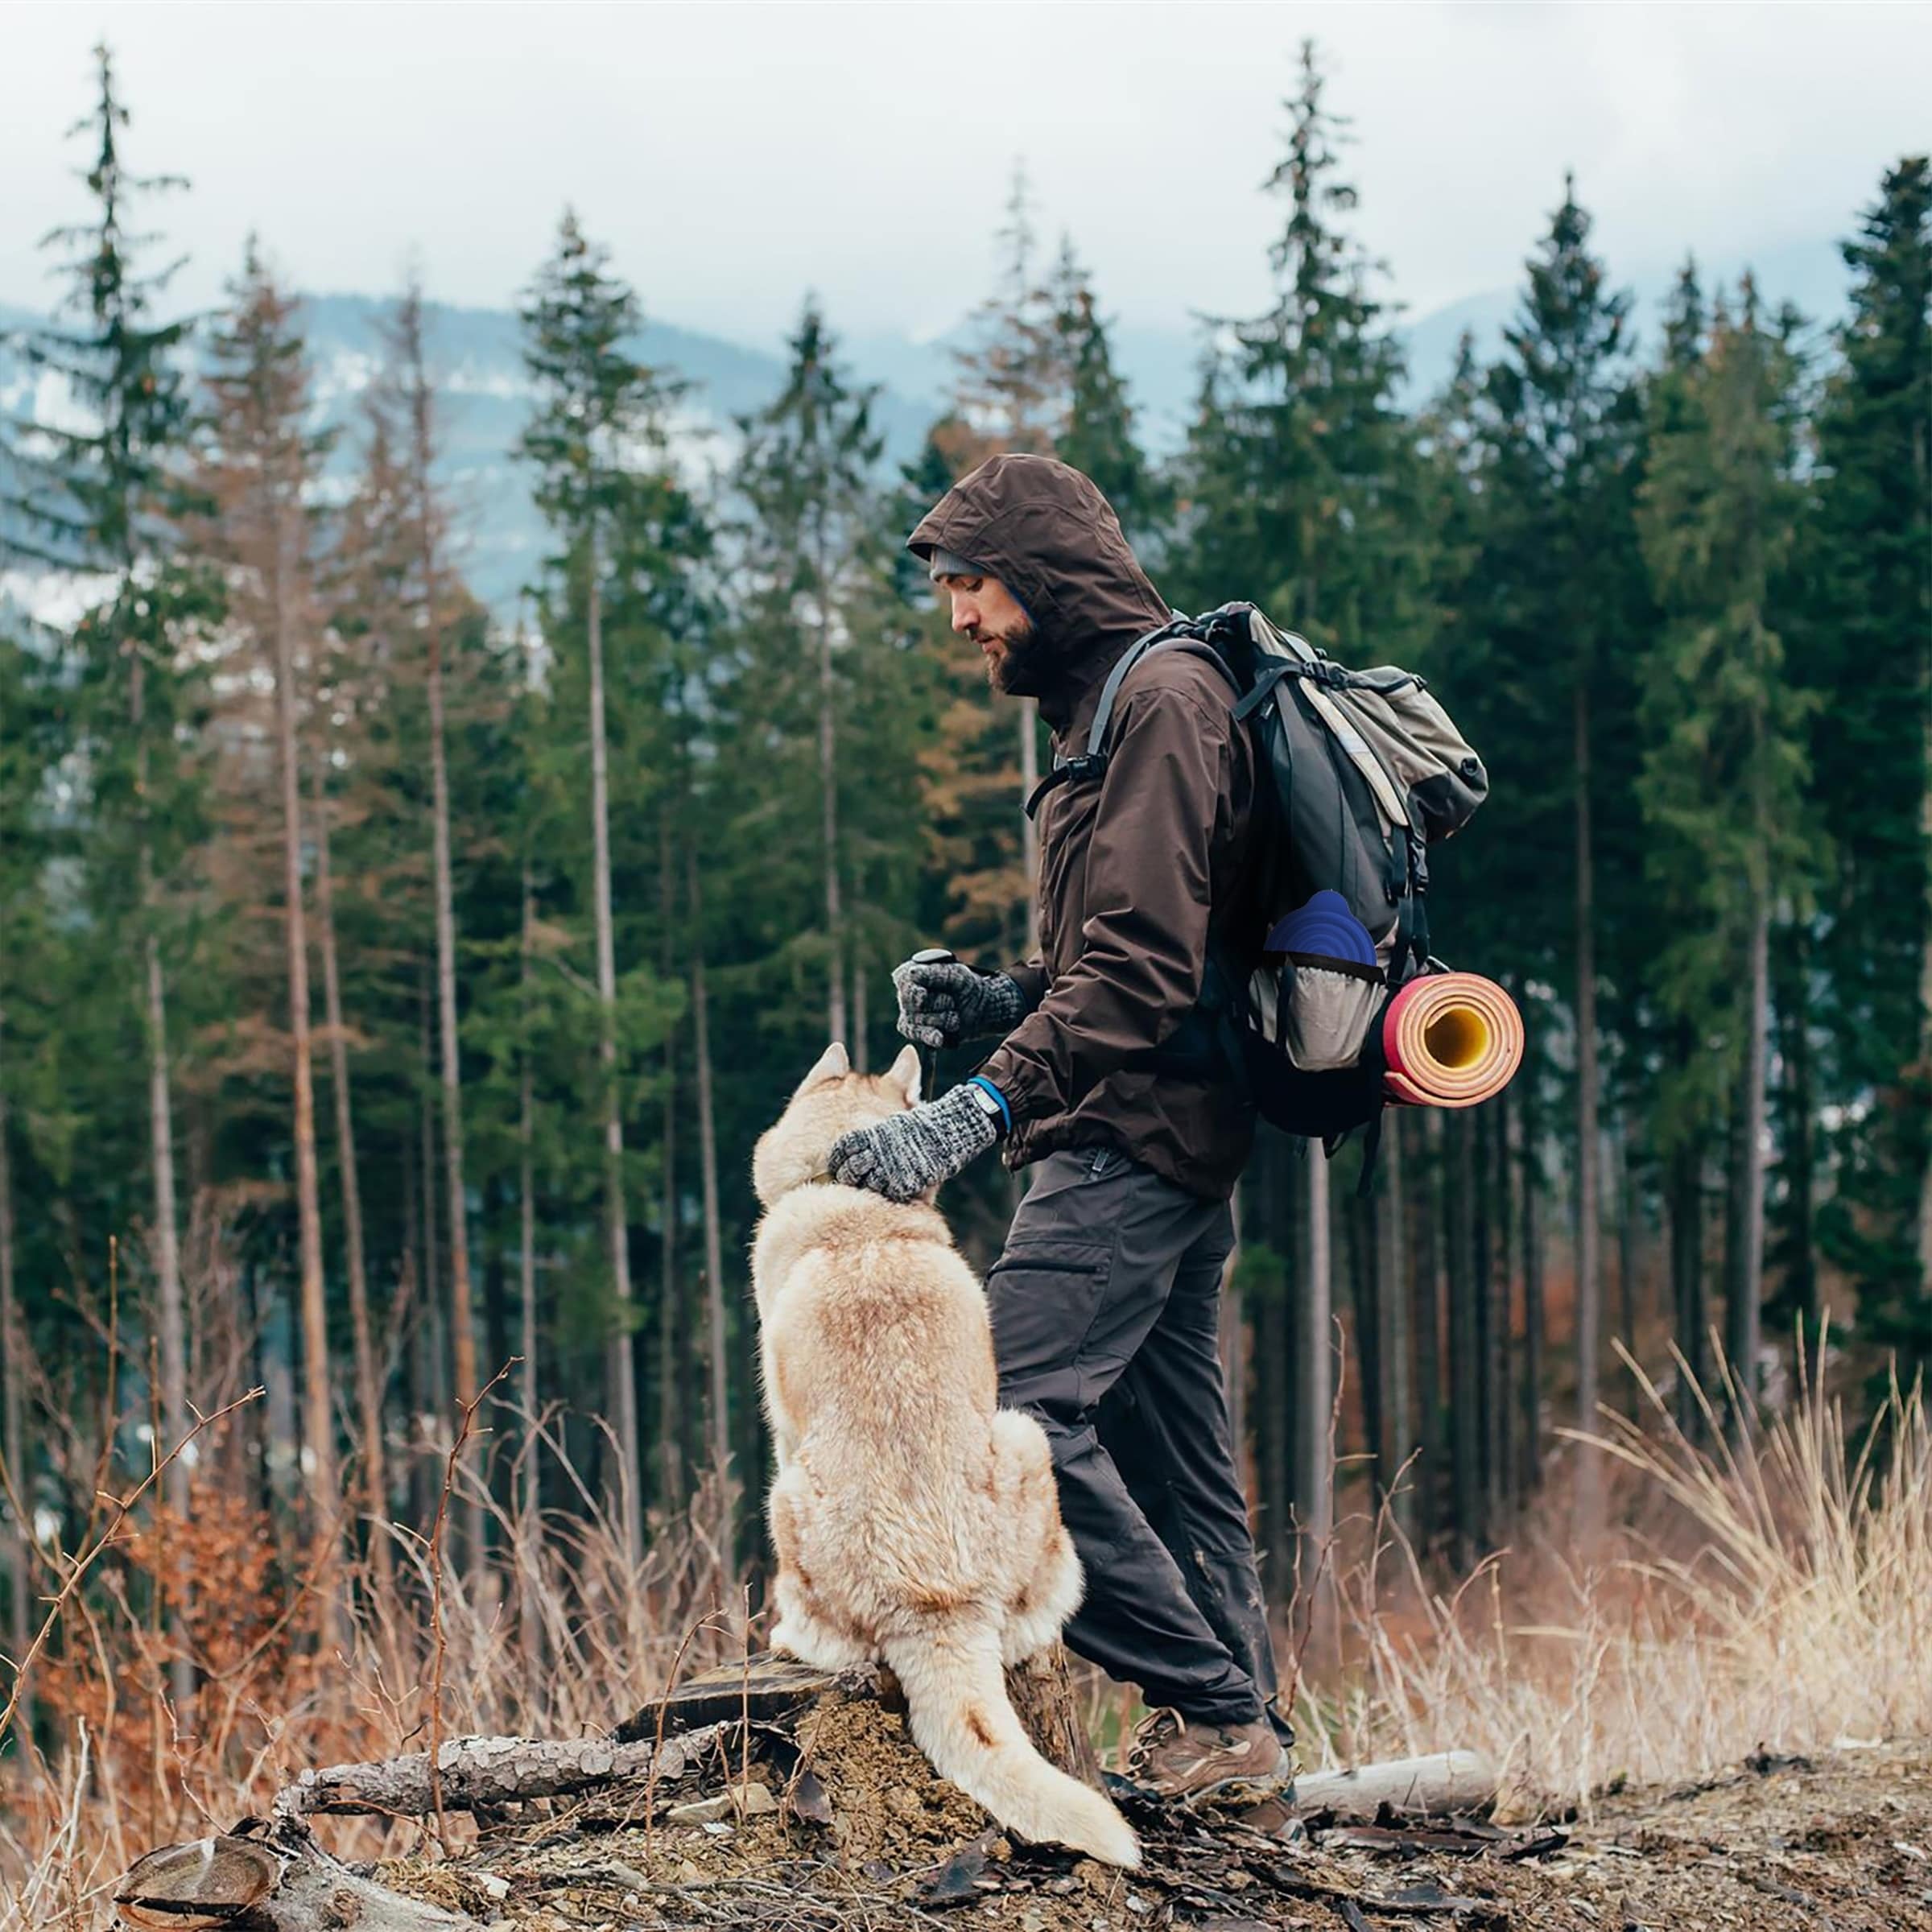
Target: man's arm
{"x":1166,"y":798}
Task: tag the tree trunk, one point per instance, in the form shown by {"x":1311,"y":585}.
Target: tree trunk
{"x":1398,"y":1436}
{"x":369,"y":1379}
{"x":861,"y":1059}
{"x":828,"y":803}
{"x":432,"y":1417}
{"x":620,"y":1354}
{"x":1745,"y":1271}
{"x":1428,"y":1283}
{"x":1589,"y":1304}
{"x":714,"y":1242}
{"x":1802,"y":1284}
{"x":462,"y":1339}
{"x":670,"y":1289}
{"x":1529,"y":1244}
{"x":13,"y":1393}
{"x":1465,"y":1341}
{"x":1315,"y":1401}
{"x":529,"y":1504}
{"x":318,"y":1417}
{"x":1029,"y":836}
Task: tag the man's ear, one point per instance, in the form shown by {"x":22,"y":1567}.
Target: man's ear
{"x":904,"y":1073}
{"x":831,"y":1065}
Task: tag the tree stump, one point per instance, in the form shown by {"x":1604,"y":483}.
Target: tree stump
{"x":263,"y":1877}
{"x":1042,"y":1694}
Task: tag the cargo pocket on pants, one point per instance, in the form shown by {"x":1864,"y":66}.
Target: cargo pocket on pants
{"x":1042,"y":1295}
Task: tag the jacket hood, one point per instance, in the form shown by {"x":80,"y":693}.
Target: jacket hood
{"x":1048,"y":535}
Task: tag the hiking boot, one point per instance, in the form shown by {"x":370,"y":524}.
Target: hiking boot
{"x":1240,"y":1765}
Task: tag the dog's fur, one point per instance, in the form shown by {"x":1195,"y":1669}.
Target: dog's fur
{"x":914,"y":1520}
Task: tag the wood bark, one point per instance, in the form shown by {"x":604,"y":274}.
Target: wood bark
{"x":669,"y":1284}
{"x":369,"y":1378}
{"x":318,"y":1416}
{"x":1589,"y":1294}
{"x":528,"y":1515}
{"x":13,"y":1394}
{"x":268,"y":1878}
{"x":1445,"y":1784}
{"x":475,"y":1772}
{"x":462,"y":1324}
{"x":1465,"y":1340}
{"x":1393,"y":1325}
{"x":1030,"y":836}
{"x":1041,"y":1696}
{"x":1314,"y":1401}
{"x":1797,"y":1155}
{"x":720,"y":1418}
{"x":828,"y":794}
{"x":1428,"y":1282}
{"x":619,"y":1358}
{"x":1745,"y":1247}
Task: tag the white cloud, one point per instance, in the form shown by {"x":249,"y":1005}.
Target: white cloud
{"x":735,"y":155}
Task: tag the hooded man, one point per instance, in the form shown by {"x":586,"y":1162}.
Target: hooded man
{"x":1105,"y":1301}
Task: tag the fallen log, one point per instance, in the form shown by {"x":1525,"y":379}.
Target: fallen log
{"x":268,"y":1877}
{"x":1447,"y":1783}
{"x":480,"y":1772}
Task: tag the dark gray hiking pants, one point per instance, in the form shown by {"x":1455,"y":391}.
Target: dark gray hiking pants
{"x":1105,"y":1307}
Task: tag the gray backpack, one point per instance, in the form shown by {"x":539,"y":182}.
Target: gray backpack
{"x":1359,"y":772}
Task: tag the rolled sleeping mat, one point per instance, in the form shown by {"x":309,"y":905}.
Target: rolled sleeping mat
{"x":1450,"y":1039}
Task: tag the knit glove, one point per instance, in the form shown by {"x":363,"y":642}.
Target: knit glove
{"x":908,"y":1155}
{"x":943,"y":1003}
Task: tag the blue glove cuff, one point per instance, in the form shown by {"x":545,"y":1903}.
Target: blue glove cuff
{"x":986,"y":1086}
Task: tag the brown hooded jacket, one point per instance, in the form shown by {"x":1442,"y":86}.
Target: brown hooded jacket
{"x":1132,"y":866}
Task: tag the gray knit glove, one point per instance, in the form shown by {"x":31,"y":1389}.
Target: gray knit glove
{"x":943,"y":1003}
{"x":909,"y":1153}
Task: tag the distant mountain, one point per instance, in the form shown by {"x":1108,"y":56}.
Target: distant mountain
{"x":476,"y":355}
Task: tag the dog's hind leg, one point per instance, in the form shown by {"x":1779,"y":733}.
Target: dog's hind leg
{"x":1045,"y":1583}
{"x":803,"y":1628}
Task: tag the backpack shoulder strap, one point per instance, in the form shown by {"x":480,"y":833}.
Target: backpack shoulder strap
{"x":1091,"y":760}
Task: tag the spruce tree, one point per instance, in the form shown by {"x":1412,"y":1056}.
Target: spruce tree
{"x":259,"y":466}
{"x":1871,"y":640}
{"x":1723,"y":776}
{"x":105,"y":499}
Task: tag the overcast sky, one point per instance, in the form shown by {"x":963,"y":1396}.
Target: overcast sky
{"x":735,"y":156}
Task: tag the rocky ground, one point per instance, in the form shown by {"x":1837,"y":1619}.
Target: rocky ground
{"x":836,"y":1822}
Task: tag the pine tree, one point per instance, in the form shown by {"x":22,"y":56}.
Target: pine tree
{"x":107,"y":498}
{"x":598,"y":412}
{"x":1724,"y":775}
{"x":1559,"y":560}
{"x":1299,"y":495}
{"x":1095,"y":430}
{"x":257,"y":472}
{"x":805,"y":479}
{"x":1872,"y":642}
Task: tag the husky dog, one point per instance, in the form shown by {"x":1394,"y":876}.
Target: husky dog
{"x":914,"y":1520}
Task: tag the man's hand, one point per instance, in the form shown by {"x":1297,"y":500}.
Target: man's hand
{"x":943,"y":1003}
{"x":909,"y":1153}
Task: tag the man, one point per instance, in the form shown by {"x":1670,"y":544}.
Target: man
{"x":1104,"y":1304}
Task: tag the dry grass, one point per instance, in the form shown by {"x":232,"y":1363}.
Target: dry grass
{"x":1779,"y":1594}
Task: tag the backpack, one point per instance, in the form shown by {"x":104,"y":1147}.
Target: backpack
{"x":1358,"y":773}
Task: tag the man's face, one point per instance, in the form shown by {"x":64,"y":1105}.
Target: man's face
{"x":986,"y":611}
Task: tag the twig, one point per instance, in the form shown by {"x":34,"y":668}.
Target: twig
{"x":86,"y":1559}
{"x":439,"y":1645}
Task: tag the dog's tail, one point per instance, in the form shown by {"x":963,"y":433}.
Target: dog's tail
{"x":962,"y":1720}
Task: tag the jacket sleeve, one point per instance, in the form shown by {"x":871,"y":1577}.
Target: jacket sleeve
{"x":1165,"y":802}
{"x":1029,"y":975}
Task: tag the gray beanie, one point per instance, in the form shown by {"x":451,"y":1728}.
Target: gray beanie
{"x":944,"y":563}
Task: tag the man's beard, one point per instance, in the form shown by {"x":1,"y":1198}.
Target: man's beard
{"x":1021,"y":668}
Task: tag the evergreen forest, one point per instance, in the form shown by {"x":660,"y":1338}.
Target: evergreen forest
{"x":391,"y":992}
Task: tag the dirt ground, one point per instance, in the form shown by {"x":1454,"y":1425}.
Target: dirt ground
{"x":849,"y":1827}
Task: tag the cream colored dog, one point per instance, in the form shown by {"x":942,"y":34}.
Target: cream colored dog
{"x":914,"y":1520}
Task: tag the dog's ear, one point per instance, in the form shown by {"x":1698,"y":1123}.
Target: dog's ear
{"x":832,"y":1065}
{"x":904,"y":1073}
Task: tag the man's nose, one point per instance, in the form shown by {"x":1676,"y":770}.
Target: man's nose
{"x":965,"y":618}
